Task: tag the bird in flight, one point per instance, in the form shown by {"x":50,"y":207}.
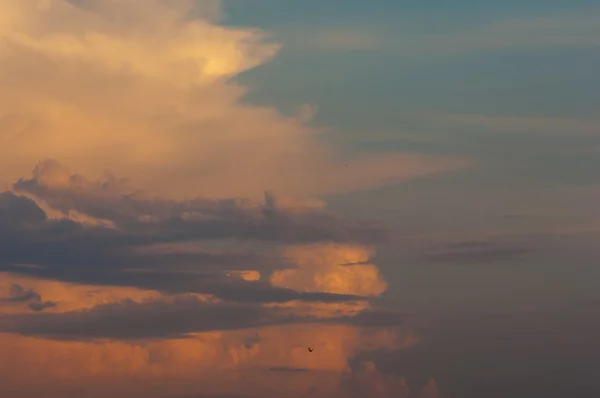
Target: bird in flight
{"x":310,"y":349}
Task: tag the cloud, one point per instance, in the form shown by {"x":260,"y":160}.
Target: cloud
{"x":181,"y":316}
{"x":575,"y":28}
{"x":522,"y":124}
{"x":119,"y":279}
{"x":186,"y":277}
{"x":323,"y":268}
{"x":200,"y":218}
{"x":479,"y":252}
{"x":286,"y":369}
{"x":214,"y":362}
{"x":122,"y":250}
{"x":146,"y":89}
{"x":549,"y":352}
{"x":18,"y":294}
{"x":172,"y":318}
{"x":135,"y":337}
{"x":368,"y":381}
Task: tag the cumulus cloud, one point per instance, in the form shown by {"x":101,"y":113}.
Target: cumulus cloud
{"x":145,"y":88}
{"x":324,"y":268}
{"x":194,"y":340}
{"x":210,"y":362}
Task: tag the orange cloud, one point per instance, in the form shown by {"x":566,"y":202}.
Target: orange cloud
{"x":72,"y":297}
{"x":228,"y":355}
{"x":193,"y":364}
{"x":341,"y":269}
{"x":198,"y":361}
{"x":142,"y":89}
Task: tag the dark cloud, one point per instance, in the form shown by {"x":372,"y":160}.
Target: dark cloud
{"x":380,"y":318}
{"x":200,"y":218}
{"x":288,"y":369}
{"x":117,"y":252}
{"x":147,"y":320}
{"x":41,"y":306}
{"x":18,"y":210}
{"x":217,"y":284}
{"x":477,"y":252}
{"x":19,"y":294}
{"x":172,"y":317}
{"x":210,"y":396}
{"x":68,"y":251}
{"x":369,"y":382}
{"x":28,"y":237}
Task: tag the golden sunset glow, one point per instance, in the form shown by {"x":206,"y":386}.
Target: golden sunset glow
{"x":298,"y":199}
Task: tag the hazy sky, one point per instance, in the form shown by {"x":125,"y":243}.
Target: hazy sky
{"x":193,"y":192}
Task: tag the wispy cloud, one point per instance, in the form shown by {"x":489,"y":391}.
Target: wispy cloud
{"x":577,"y":28}
{"x":522,"y":124}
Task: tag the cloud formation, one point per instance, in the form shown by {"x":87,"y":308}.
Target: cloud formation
{"x":120,"y":248}
{"x":17,"y":294}
{"x":114,"y":264}
{"x":145,"y":88}
{"x":186,"y":277}
{"x":114,"y":201}
{"x":128,"y":319}
{"x":478,"y":251}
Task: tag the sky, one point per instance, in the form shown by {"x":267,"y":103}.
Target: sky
{"x":193,"y":193}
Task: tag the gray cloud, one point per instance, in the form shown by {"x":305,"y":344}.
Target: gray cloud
{"x":217,"y":284}
{"x":18,"y":210}
{"x":19,"y":294}
{"x":380,"y":318}
{"x":210,"y":396}
{"x":173,"y":318}
{"x":551,"y":351}
{"x":477,"y":252}
{"x":288,"y":369}
{"x":68,"y":251}
{"x":147,"y":320}
{"x":200,"y":218}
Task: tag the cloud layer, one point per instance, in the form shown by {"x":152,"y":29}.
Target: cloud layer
{"x":97,"y":267}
